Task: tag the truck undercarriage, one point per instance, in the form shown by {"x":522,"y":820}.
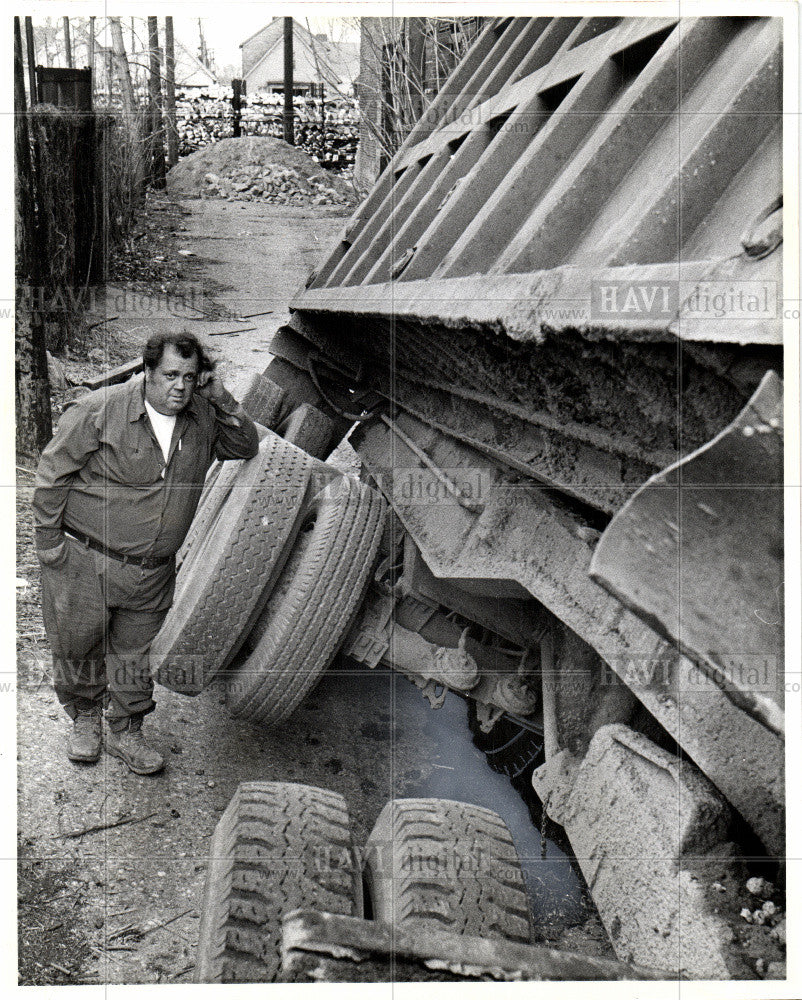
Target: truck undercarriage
{"x":583,"y":458}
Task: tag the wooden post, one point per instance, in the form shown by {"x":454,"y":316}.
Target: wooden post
{"x":32,"y":387}
{"x":137,"y":69}
{"x":155,"y":96}
{"x":110,"y":63}
{"x":67,"y":42}
{"x":31,"y":50}
{"x":323,"y":137}
{"x":289,"y":110}
{"x":236,"y":107}
{"x":169,"y":92}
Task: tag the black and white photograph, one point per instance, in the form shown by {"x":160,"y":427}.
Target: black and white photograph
{"x":407,"y":497}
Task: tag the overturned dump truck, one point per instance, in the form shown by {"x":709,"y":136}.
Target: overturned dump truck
{"x":553,"y":332}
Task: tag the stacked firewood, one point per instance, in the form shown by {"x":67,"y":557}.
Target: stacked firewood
{"x":328,"y":131}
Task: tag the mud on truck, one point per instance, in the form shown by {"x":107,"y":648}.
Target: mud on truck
{"x":551,"y":335}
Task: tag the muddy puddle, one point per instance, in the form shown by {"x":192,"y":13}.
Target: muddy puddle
{"x":445,"y":756}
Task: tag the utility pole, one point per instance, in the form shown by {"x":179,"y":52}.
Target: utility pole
{"x":67,"y":43}
{"x":31,"y":49}
{"x":137,"y":71}
{"x":416,"y":63}
{"x":203,"y":52}
{"x":289,"y":131}
{"x":155,"y":100}
{"x":169,"y":92}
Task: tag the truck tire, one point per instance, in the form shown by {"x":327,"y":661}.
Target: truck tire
{"x":216,"y":488}
{"x":229,"y":573}
{"x":278,"y":847}
{"x":263,"y":400}
{"x":449,"y":866}
{"x":308,"y":428}
{"x":312,"y":604}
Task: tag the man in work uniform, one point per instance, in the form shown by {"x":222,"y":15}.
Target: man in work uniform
{"x":116,"y":490}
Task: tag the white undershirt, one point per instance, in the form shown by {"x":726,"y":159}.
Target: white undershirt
{"x":163,"y":424}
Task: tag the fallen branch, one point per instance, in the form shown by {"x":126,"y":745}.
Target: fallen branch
{"x":119,"y":374}
{"x":100,"y":322}
{"x":128,"y":929}
{"x":104,"y":826}
{"x":203,"y":312}
{"x":164,"y":923}
{"x":104,"y":954}
{"x":226,"y":333}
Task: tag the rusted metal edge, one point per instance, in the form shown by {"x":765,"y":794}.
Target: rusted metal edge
{"x":438,"y":473}
{"x":634,"y":303}
{"x":636,"y":555}
{"x":354,"y":939}
{"x":555,"y":572}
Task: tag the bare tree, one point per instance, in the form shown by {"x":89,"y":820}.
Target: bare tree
{"x":404,"y":63}
{"x":155,"y":106}
{"x":121,"y":63}
{"x":31,"y":383}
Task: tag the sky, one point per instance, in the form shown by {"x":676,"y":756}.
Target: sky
{"x":225,"y":34}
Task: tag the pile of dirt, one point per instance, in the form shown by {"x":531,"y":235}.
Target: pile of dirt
{"x":257,"y":168}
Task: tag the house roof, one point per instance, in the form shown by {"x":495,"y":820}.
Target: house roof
{"x":320,"y":52}
{"x":256,"y":33}
{"x":187,"y":65}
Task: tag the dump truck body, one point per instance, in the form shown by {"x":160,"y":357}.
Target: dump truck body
{"x":558,"y":306}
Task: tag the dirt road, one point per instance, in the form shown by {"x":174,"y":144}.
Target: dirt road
{"x":119,"y":902}
{"x":90,"y":904}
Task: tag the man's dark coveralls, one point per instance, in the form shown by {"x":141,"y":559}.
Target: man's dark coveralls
{"x":104,"y":476}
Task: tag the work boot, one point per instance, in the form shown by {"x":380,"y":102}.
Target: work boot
{"x":84,"y":743}
{"x":129,"y":745}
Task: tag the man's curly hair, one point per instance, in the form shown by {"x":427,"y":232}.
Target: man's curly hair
{"x":186,"y":344}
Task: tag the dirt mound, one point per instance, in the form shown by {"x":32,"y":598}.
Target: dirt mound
{"x":257,"y":168}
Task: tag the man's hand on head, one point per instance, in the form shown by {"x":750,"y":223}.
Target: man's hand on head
{"x":211,"y":387}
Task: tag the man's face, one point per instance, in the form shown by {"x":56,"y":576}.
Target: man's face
{"x":169,"y":386}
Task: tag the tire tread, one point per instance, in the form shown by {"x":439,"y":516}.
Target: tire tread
{"x":469,"y":900}
{"x":245,"y":899}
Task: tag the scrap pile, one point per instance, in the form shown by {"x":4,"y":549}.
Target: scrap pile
{"x":272,"y":183}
